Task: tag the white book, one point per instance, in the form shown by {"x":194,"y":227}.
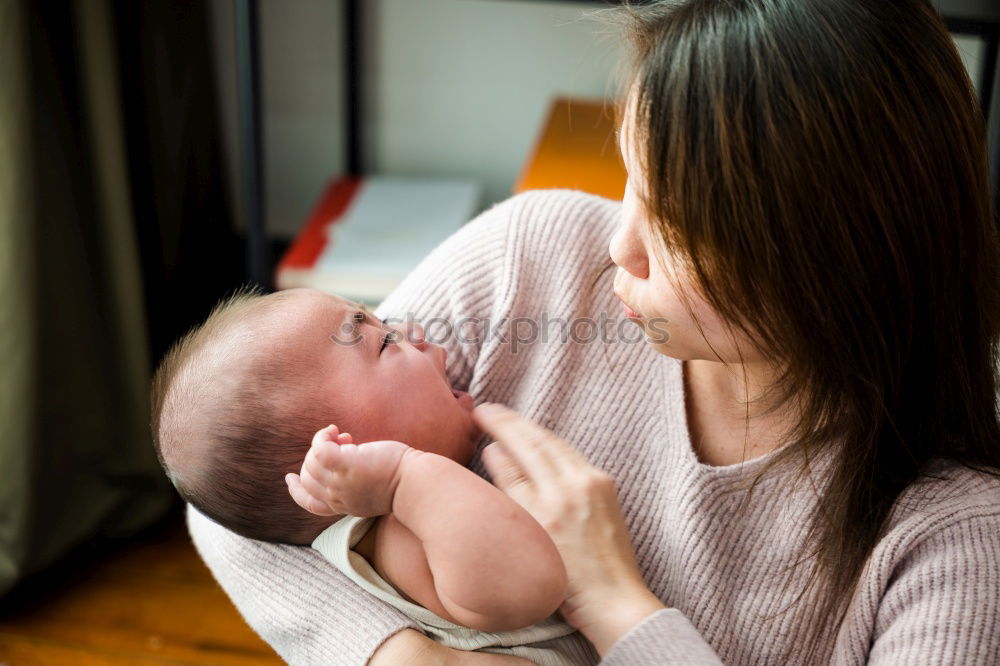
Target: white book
{"x":366,"y":235}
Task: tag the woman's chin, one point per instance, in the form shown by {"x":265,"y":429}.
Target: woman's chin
{"x":672,"y":350}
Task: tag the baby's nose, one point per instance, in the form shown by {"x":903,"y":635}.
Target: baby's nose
{"x":415,"y":333}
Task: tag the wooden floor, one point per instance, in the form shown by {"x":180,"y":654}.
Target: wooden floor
{"x":152,"y":602}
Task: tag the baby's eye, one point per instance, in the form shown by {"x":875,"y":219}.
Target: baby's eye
{"x":390,"y":336}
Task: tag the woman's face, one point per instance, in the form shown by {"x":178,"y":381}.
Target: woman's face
{"x":656,"y":295}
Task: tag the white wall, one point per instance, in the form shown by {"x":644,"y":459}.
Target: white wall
{"x":464,"y":85}
{"x":455,"y":88}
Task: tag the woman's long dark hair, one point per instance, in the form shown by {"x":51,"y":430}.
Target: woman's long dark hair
{"x":822,"y":166}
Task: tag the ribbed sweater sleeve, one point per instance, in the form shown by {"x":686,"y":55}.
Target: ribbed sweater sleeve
{"x":929,"y":594}
{"x":306,"y":609}
{"x":667,"y":636}
{"x":942,"y":602}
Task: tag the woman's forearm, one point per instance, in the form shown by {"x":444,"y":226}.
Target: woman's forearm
{"x":307,"y":610}
{"x":494,"y":567}
{"x":411,"y":648}
{"x":622,"y":612}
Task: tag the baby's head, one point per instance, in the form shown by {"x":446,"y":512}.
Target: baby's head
{"x":237,"y":401}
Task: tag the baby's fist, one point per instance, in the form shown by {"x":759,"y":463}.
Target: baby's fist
{"x":304,"y":487}
{"x":331,"y":433}
{"x":340,"y":477}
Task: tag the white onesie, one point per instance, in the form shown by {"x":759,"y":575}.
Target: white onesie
{"x":335,"y":543}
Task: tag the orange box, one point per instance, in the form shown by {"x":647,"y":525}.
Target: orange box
{"x":576,"y":149}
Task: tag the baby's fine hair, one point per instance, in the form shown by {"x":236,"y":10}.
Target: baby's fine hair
{"x":231,"y":416}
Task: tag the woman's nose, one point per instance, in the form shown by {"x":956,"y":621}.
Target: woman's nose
{"x":627,"y":251}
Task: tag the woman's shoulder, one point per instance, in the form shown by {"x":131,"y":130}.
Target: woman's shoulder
{"x":947,"y":483}
{"x":557,"y":238}
{"x":557,"y":205}
{"x":932,"y":575}
{"x":558,"y":219}
{"x":948,"y":497}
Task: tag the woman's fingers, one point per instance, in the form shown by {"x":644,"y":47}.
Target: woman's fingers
{"x":536,"y":450}
{"x":504,"y":470}
{"x":520,"y":437}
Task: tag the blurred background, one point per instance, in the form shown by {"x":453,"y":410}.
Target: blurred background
{"x":155,"y":156}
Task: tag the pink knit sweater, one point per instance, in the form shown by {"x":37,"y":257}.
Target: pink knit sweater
{"x":930,"y":593}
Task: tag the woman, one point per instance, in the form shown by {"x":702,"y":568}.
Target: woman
{"x":807,"y":466}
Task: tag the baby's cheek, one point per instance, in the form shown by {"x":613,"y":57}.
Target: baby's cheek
{"x":451,"y":436}
{"x":373,"y":417}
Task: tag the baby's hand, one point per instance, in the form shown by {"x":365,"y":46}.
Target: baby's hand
{"x":340,"y":477}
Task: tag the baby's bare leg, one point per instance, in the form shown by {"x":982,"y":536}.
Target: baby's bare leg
{"x":494,"y":567}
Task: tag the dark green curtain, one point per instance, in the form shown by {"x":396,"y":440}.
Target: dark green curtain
{"x":114,"y":238}
{"x":190,"y":253}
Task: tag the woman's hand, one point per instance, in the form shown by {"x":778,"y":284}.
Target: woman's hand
{"x":411,"y":648}
{"x":577,"y":504}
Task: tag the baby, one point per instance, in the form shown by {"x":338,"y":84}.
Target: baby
{"x":238,"y":400}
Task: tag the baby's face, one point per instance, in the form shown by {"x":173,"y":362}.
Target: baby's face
{"x":396,"y":391}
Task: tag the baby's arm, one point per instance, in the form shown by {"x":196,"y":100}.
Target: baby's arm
{"x":487,"y":563}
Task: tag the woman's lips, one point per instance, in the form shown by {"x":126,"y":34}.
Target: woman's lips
{"x":629,"y":312}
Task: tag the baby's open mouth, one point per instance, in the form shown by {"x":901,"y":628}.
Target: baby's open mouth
{"x":463,"y":398}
